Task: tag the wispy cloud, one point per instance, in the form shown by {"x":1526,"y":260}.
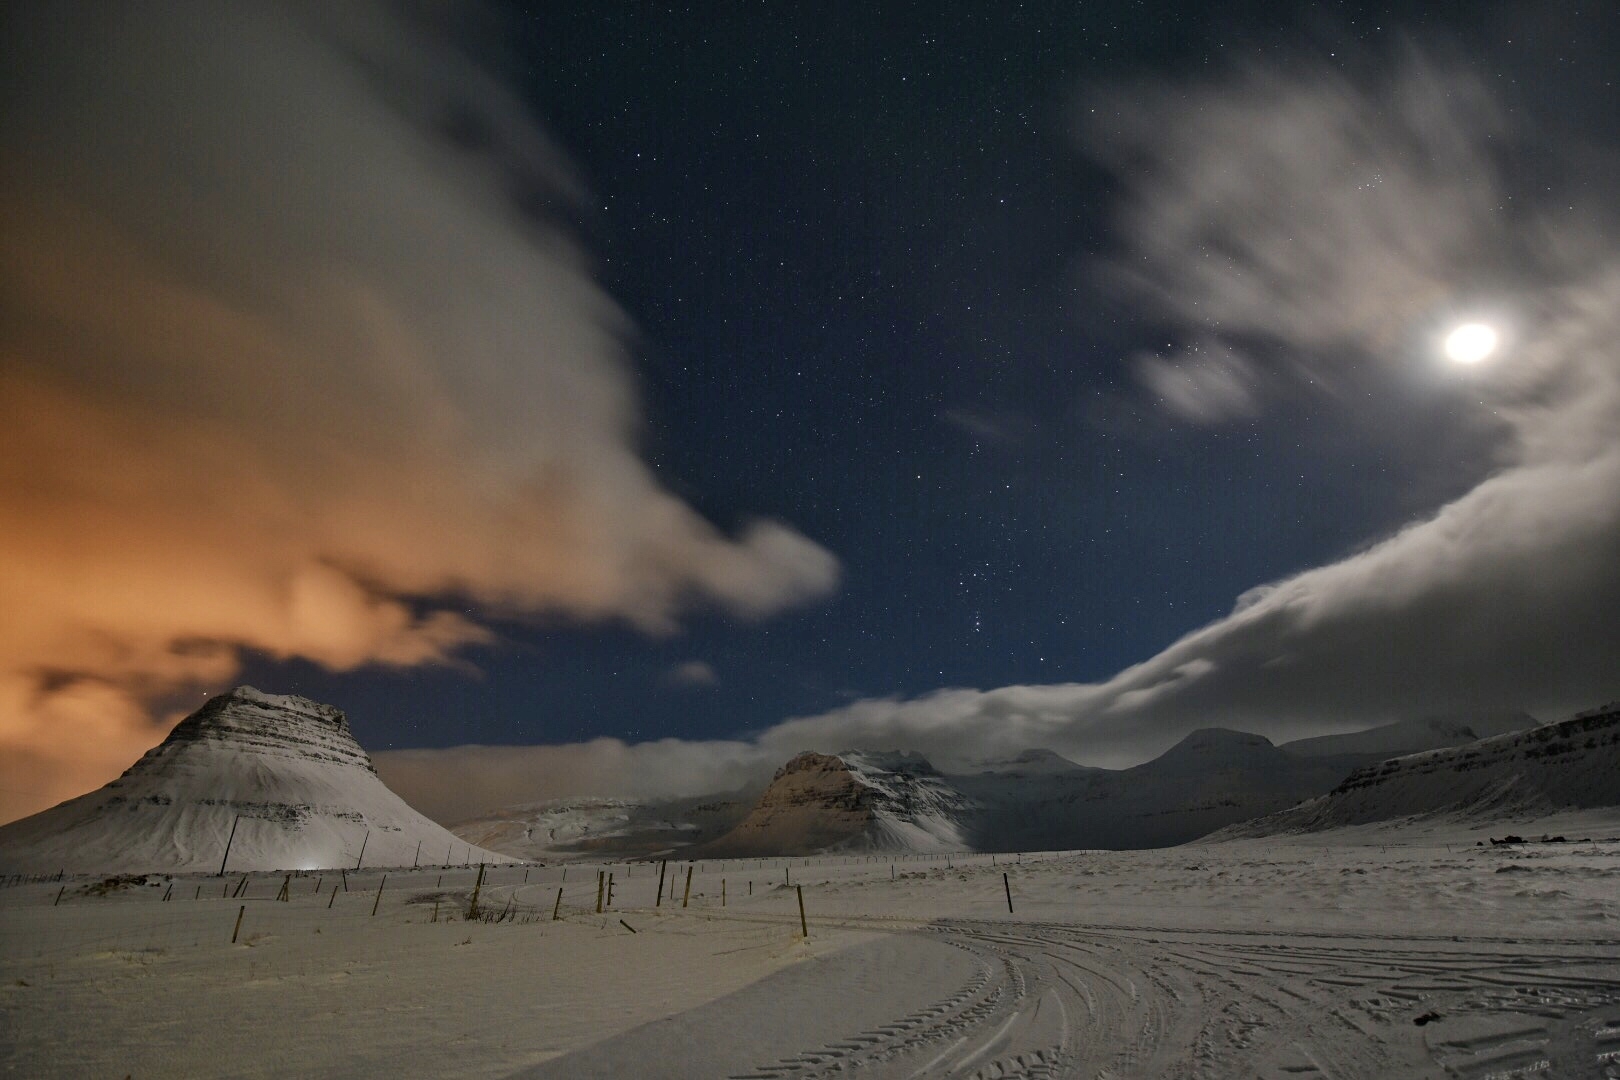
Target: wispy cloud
{"x":1206,"y":384}
{"x":694,"y":673}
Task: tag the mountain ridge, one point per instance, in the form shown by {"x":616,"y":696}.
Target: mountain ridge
{"x":1573,"y":764}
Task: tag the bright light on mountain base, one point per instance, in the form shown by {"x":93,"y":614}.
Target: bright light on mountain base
{"x":1470,"y":343}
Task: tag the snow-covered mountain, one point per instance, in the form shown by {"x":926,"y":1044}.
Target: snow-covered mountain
{"x":1213,"y":777}
{"x":1038,"y":800}
{"x":1034,"y":800}
{"x":284,"y":772}
{"x":1413,"y":736}
{"x":1570,"y":765}
{"x":854,"y":801}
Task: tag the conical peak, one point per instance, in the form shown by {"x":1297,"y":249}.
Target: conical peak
{"x":289,"y":703}
{"x":251,"y":721}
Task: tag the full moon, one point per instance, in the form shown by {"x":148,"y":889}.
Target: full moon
{"x":1470,"y":343}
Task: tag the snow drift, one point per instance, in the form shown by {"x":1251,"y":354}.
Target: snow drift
{"x":284,"y":772}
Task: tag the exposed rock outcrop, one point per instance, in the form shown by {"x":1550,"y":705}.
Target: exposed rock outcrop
{"x":856,"y":801}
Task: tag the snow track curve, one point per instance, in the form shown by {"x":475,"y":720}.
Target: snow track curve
{"x":1040,"y":1000}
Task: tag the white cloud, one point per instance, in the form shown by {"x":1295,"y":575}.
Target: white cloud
{"x":1208,"y":384}
{"x":694,"y":673}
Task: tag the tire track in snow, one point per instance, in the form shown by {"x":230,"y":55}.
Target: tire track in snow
{"x":1059,"y":1001}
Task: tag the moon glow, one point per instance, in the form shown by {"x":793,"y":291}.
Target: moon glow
{"x":1470,"y":343}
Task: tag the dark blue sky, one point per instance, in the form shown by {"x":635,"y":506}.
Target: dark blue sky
{"x":856,"y":249}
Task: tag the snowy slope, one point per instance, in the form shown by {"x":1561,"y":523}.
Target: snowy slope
{"x":305,"y":793}
{"x":854,"y":801}
{"x":1402,"y":737}
{"x":1413,"y":736}
{"x":1570,"y":765}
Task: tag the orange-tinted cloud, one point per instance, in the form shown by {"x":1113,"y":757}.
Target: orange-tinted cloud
{"x":290,"y":362}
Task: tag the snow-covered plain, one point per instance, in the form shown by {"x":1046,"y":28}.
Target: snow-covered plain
{"x":1374,"y":952}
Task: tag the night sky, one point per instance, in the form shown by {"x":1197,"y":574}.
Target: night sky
{"x":913,"y":281}
{"x":853,"y":247}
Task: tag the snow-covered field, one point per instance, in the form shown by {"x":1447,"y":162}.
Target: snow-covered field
{"x":1374,"y":952}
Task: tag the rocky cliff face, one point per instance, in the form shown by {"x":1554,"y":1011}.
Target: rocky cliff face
{"x":284,"y":772}
{"x":249,"y":721}
{"x":853,"y":801}
{"x":1570,"y":765}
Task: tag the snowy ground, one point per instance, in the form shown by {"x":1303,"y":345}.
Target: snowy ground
{"x":1376,"y":953}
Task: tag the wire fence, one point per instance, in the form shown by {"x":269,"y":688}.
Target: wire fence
{"x":57,"y":918}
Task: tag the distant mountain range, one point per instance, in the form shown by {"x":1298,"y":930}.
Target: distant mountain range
{"x":1037,"y":800}
{"x":281,"y":783}
{"x":279,"y":779}
{"x":1571,"y":765}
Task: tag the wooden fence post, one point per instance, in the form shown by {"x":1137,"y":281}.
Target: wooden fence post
{"x":228,"y":843}
{"x":687,"y":896}
{"x":378,"y":901}
{"x":662,"y":866}
{"x":332,"y":901}
{"x":240,"y":912}
{"x":601,"y":882}
{"x":804,"y":927}
{"x":1005,"y":884}
{"x":557,"y":907}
